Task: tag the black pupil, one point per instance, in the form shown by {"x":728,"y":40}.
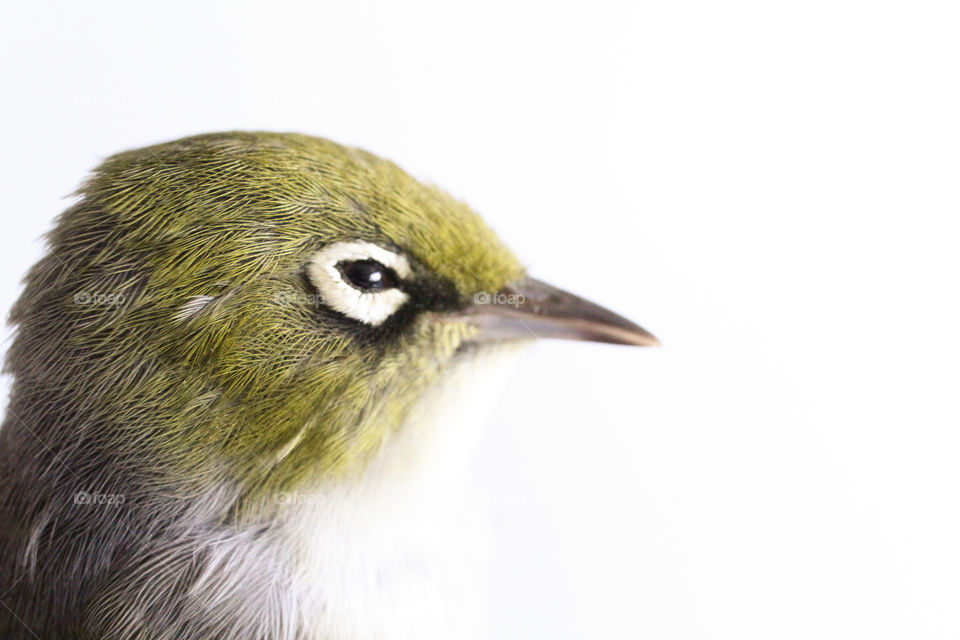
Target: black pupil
{"x":368,"y":275}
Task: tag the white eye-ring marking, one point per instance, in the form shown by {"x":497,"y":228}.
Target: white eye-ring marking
{"x":326,"y":272}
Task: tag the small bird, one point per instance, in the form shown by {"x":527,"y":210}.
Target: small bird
{"x":242,"y":377}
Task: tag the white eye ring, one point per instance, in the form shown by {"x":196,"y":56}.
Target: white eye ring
{"x":369,"y":307}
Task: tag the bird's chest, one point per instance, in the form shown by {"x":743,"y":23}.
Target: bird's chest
{"x":400,"y":552}
{"x":405,"y":572}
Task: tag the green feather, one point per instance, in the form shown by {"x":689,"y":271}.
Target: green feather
{"x":249,"y":386}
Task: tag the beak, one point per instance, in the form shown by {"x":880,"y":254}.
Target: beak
{"x":530,"y":309}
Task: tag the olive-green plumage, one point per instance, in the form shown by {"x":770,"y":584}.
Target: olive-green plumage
{"x":234,"y":216}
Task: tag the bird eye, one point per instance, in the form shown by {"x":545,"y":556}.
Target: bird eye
{"x":368,"y":275}
{"x":361,"y":280}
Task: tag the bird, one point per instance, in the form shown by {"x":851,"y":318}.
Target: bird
{"x":240,"y":378}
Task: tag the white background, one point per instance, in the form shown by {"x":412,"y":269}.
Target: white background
{"x":770,"y":187}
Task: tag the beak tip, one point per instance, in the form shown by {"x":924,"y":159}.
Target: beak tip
{"x":652,"y":341}
{"x":639,"y":337}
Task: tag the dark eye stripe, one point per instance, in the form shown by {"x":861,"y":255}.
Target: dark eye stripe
{"x":368,"y":275}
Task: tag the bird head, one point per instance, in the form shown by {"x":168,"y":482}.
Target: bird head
{"x":265,"y":307}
